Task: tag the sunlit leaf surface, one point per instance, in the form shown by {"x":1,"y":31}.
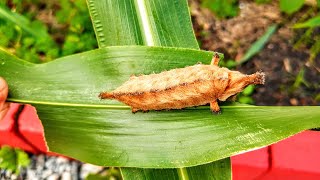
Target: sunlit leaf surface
{"x":78,"y":124}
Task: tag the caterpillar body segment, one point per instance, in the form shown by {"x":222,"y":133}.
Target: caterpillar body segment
{"x":184,"y":87}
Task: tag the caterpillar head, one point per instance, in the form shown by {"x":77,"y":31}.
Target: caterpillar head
{"x":238,"y":81}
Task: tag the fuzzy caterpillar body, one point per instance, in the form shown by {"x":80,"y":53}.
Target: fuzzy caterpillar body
{"x":183,"y":87}
{"x":168,"y":79}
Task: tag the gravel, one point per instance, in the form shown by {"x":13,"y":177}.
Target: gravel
{"x":52,"y":168}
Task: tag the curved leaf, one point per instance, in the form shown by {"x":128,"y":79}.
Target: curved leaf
{"x":107,"y":133}
{"x":217,"y":170}
{"x":78,"y":79}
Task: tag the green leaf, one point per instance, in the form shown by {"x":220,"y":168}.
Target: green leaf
{"x":290,"y":6}
{"x":222,"y":8}
{"x":13,"y":159}
{"x":248,"y":90}
{"x":257,"y":46}
{"x":310,"y":23}
{"x":78,"y":79}
{"x":142,"y":22}
{"x":219,"y":170}
{"x":245,"y":100}
{"x":78,"y":124}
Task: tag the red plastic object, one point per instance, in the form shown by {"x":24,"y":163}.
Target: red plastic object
{"x":299,"y":149}
{"x":28,"y":134}
{"x":297,"y":157}
{"x":250,"y":165}
{"x":294,"y":158}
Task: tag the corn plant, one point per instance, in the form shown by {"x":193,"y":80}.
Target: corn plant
{"x":142,"y":37}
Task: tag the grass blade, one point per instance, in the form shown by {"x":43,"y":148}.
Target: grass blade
{"x":310,"y":23}
{"x":257,"y":46}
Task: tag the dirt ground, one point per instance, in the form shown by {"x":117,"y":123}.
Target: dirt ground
{"x":291,"y":78}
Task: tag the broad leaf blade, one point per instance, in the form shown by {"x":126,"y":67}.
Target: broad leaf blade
{"x":116,"y":137}
{"x":78,"y":79}
{"x":217,"y":170}
{"x":142,"y":22}
{"x":107,"y":133}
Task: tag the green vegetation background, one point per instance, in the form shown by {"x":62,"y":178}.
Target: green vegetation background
{"x":67,"y":22}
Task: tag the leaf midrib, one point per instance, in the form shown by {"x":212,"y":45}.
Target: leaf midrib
{"x":109,"y":106}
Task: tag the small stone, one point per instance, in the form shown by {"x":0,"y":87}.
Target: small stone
{"x":51,"y":168}
{"x":40,"y":161}
{"x":23,"y":173}
{"x":62,"y":160}
{"x":74,"y":169}
{"x":46,"y":173}
{"x":13,"y":177}
{"x":67,"y":168}
{"x":66,"y":176}
{"x":61,"y":168}
{"x":53,"y":177}
{"x":33,"y":163}
{"x":8,"y":174}
{"x":31,"y":174}
{"x":86,"y":169}
{"x":50,"y":162}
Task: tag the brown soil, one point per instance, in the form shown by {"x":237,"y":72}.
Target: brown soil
{"x":281,"y":62}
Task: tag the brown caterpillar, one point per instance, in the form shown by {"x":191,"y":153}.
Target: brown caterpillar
{"x":184,"y":87}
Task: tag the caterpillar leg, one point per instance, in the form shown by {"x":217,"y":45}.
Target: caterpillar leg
{"x":214,"y":107}
{"x":133,"y":76}
{"x":106,"y":95}
{"x":215,"y":60}
{"x":134,"y":110}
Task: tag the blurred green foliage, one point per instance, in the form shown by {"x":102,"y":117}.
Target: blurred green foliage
{"x":254,"y":49}
{"x":13,"y":159}
{"x":222,"y":8}
{"x":310,"y":23}
{"x":307,"y":30}
{"x":317,"y":98}
{"x":107,"y":174}
{"x":245,"y":96}
{"x":291,"y":6}
{"x":258,"y":45}
{"x":67,"y":22}
{"x":299,"y":80}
